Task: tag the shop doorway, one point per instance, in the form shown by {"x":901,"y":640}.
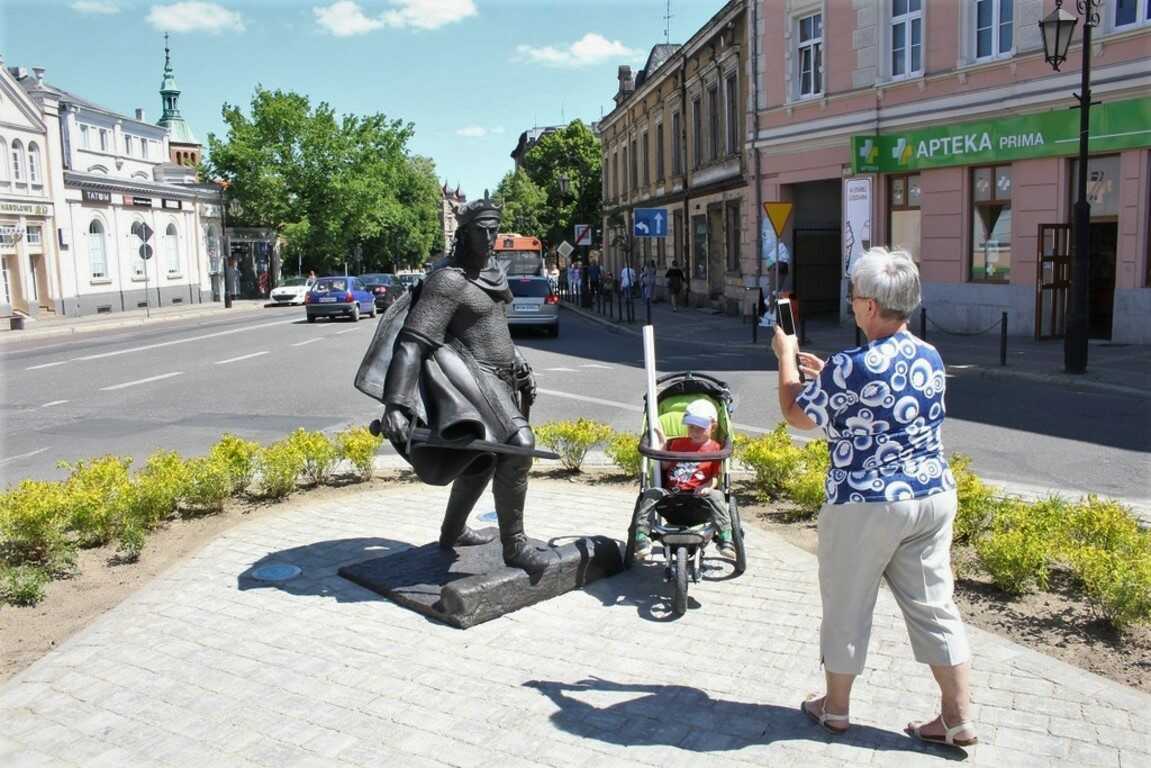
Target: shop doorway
{"x":1101,"y":278}
{"x":1053,"y":280}
{"x":817,"y":267}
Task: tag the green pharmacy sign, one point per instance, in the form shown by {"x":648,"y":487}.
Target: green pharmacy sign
{"x":1114,"y":126}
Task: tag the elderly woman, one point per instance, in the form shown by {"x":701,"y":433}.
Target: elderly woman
{"x":891,"y":498}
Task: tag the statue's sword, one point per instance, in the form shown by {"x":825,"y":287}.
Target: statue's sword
{"x":424,"y":436}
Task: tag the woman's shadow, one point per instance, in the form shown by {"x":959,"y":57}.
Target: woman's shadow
{"x":688,"y":718}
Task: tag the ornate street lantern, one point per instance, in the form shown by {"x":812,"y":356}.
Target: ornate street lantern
{"x":1057,"y":28}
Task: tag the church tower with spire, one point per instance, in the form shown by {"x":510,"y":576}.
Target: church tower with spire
{"x":183,"y":147}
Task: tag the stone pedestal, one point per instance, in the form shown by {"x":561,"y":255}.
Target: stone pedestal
{"x":471,"y":585}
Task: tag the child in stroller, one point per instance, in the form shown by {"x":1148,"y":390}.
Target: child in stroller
{"x":699,"y":478}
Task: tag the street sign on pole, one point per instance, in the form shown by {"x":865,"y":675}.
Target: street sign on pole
{"x":565,"y":249}
{"x":650,"y":222}
{"x":583,"y":234}
{"x":779,"y":213}
{"x":145,"y":251}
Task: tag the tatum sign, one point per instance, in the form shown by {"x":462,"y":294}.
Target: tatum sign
{"x":1114,"y":126}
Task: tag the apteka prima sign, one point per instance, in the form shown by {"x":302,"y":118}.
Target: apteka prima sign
{"x":1114,"y":126}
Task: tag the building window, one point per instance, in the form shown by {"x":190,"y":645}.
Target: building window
{"x":615,"y":174}
{"x":97,"y":255}
{"x":103,"y":140}
{"x":810,"y":55}
{"x":34,"y":163}
{"x":4,"y":281}
{"x":903,"y":200}
{"x":127,"y":145}
{"x":144,"y":148}
{"x":659,"y":169}
{"x":35,"y":236}
{"x":85,"y":139}
{"x":623,"y":174}
{"x":646,"y":161}
{"x":713,"y":121}
{"x":172,"y":246}
{"x":991,"y":224}
{"x":994,"y":20}
{"x":907,"y":37}
{"x":17,"y":162}
{"x":732,"y":231}
{"x":3,"y":162}
{"x":732,"y":87}
{"x":697,"y":133}
{"x":1129,"y":13}
{"x":676,"y":145}
{"x":634,"y":166}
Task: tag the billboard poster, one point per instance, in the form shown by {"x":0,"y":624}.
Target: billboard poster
{"x":856,"y":229}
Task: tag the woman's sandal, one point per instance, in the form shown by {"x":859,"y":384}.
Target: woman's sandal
{"x":822,"y":718}
{"x":948,"y":738}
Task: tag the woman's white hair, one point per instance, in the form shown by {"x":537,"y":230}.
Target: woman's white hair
{"x":890,"y":278}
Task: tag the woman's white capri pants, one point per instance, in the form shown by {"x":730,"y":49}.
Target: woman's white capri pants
{"x":908,"y":543}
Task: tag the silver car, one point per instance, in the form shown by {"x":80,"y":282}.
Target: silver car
{"x":534,"y":305}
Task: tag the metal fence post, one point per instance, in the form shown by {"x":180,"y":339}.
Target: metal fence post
{"x":1003,"y":339}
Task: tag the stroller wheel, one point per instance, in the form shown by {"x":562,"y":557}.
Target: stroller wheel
{"x":679,"y":599}
{"x":737,"y":536}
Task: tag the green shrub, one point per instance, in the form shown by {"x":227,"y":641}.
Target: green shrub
{"x":1022,"y":543}
{"x":130,"y":542}
{"x":1102,"y":523}
{"x":572,"y":439}
{"x":279,"y":466}
{"x":359,"y":446}
{"x":23,"y":584}
{"x":238,"y":456}
{"x":33,"y":525}
{"x":159,"y":487}
{"x":623,"y":450}
{"x":318,"y":453}
{"x":806,"y":486}
{"x":1117,"y":583}
{"x":773,"y":457}
{"x":209,"y":484}
{"x":978,"y":502}
{"x":98,"y":496}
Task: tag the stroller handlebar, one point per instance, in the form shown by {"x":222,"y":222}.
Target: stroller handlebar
{"x":659,"y":455}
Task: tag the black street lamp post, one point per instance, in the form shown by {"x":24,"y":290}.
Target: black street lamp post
{"x":1058,"y":28}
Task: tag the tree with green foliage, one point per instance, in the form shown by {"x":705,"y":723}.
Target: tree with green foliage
{"x":572,"y":153}
{"x":336,"y":188}
{"x":523,"y":203}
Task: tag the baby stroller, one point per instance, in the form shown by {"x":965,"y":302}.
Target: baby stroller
{"x":682,"y":522}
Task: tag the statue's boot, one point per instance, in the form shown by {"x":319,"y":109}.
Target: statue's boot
{"x":455,"y":532}
{"x":510,"y":488}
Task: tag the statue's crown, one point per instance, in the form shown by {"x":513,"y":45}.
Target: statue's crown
{"x":484,"y":208}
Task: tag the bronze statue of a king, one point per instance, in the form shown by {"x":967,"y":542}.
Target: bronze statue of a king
{"x":443,"y":363}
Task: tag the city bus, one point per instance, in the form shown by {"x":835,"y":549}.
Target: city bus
{"x":520,"y":254}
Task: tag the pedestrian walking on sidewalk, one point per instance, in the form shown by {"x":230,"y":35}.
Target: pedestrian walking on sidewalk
{"x":674,"y":277}
{"x":891,"y":498}
{"x":627,"y":281}
{"x":647,"y":282}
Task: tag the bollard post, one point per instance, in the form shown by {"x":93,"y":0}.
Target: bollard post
{"x":755,"y":323}
{"x":1003,"y":339}
{"x":923,"y":323}
{"x":648,"y":302}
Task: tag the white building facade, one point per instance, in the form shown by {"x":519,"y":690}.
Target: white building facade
{"x":117,"y":186}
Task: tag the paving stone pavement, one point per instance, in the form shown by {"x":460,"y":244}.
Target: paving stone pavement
{"x":208,"y":667}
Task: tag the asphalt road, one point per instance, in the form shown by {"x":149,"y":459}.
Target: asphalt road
{"x":180,"y":385}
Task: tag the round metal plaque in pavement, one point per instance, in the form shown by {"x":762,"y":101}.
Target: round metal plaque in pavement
{"x":276,"y":572}
{"x":489,"y":517}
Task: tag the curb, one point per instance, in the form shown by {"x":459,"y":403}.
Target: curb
{"x":10,"y":337}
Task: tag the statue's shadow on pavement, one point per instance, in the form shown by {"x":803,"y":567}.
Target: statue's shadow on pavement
{"x":688,"y":718}
{"x":319,"y":564}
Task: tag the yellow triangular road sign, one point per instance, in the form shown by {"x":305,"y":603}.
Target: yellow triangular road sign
{"x":779,"y":213}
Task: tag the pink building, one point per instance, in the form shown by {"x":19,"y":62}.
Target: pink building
{"x":938,"y":127}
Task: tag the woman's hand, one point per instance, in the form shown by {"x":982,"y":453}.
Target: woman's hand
{"x":810,"y":365}
{"x":784,"y":346}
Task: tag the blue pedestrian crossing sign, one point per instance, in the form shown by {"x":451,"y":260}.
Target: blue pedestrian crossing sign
{"x":650,"y":222}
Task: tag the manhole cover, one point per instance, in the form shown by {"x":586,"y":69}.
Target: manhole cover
{"x":489,"y":517}
{"x":278,"y":572}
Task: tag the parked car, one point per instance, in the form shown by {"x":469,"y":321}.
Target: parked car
{"x":291,"y":291}
{"x":386,"y":288}
{"x":409,"y":279}
{"x":534,"y":305}
{"x":339,"y":297}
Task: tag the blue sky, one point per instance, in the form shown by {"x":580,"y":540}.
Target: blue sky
{"x":471,"y":74}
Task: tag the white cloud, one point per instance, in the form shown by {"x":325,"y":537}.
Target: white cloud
{"x":95,"y":6}
{"x":195,"y":17}
{"x":428,"y":14}
{"x":345,"y":18}
{"x":472,"y":131}
{"x":590,"y":49}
